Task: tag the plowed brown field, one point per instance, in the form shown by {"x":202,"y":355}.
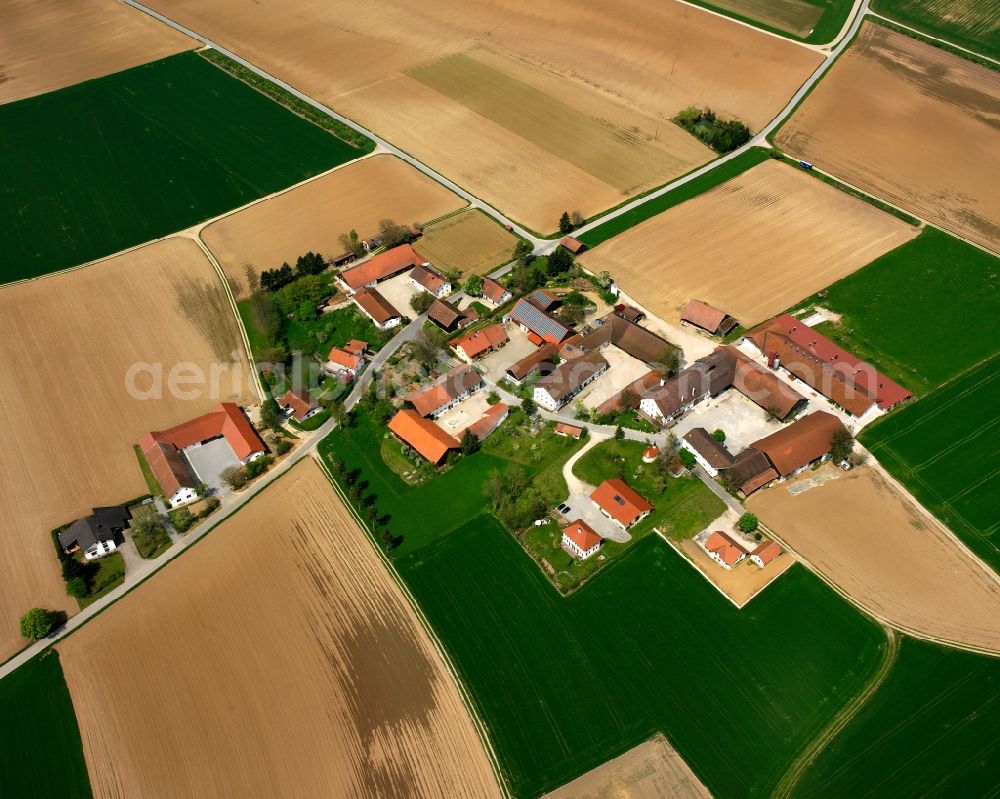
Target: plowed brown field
{"x":314,"y":215}
{"x":278,"y":658}
{"x":752,"y":247}
{"x":618,"y":70}
{"x":68,"y":341}
{"x":48,"y":44}
{"x":864,"y":536}
{"x":469,"y":241}
{"x":912,"y":124}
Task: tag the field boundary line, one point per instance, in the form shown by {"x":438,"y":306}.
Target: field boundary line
{"x":819,"y":48}
{"x":670,"y":544}
{"x":923,"y":35}
{"x":449,"y":665}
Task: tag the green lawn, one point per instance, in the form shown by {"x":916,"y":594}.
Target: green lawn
{"x":312,"y":423}
{"x":563,"y":684}
{"x":689,"y":190}
{"x":147,"y":474}
{"x":41,"y":754}
{"x":921,"y":313}
{"x":944,"y":448}
{"x":977,"y":29}
{"x":929,"y":730}
{"x":110,"y":574}
{"x":109,"y":163}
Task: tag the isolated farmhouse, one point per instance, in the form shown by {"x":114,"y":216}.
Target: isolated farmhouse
{"x":96,"y":535}
{"x":620,"y":503}
{"x":580,"y":540}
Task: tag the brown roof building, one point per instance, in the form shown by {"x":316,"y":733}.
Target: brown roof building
{"x":382,"y":266}
{"x":638,"y":342}
{"x":460,"y":382}
{"x":430,"y":280}
{"x":422,"y":434}
{"x":629,"y":313}
{"x":706,"y":317}
{"x":800,"y":443}
{"x":574,"y":246}
{"x":495,"y":292}
{"x":377,"y":308}
{"x":724,"y":549}
{"x":712,"y":452}
{"x":480,"y":342}
{"x":299,"y":403}
{"x":541,"y":360}
{"x":568,"y":430}
{"x":620,"y":503}
{"x":635,"y":389}
{"x":495,"y":415}
{"x":765,"y":552}
{"x":568,"y":379}
{"x":750,"y":471}
{"x":444,"y":314}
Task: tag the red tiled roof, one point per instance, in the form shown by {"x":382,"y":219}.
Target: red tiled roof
{"x":623,"y":504}
{"x":575,"y":246}
{"x":702,"y":315}
{"x":428,"y":278}
{"x":489,"y":421}
{"x":493,"y":290}
{"x":383,"y":265}
{"x":422,"y":434}
{"x":454,"y":384}
{"x":581,"y":534}
{"x":169,"y":468}
{"x":343,"y":358}
{"x":225,"y":419}
{"x":299,"y":401}
{"x":767,"y":551}
{"x":728,"y":550}
{"x":568,"y":430}
{"x":375,"y":305}
{"x":481,"y":341}
{"x":800,"y":443}
{"x":355,"y":347}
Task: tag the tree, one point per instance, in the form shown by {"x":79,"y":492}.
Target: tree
{"x":469,"y":443}
{"x":473,"y":285}
{"x":670,"y":360}
{"x":619,"y":433}
{"x":265,"y":317}
{"x":492,"y":398}
{"x":748,"y":523}
{"x":352,"y":243}
{"x":274,"y":279}
{"x":605,"y":279}
{"x":565,"y":225}
{"x":719,"y":435}
{"x":528,"y":405}
{"x":571,"y":314}
{"x":841,"y":444}
{"x":629,"y":398}
{"x":428,"y":345}
{"x":522,"y":250}
{"x":687,"y":458}
{"x":270,"y":414}
{"x":560,"y":261}
{"x":393,"y":234}
{"x":282,"y":445}
{"x":421,"y":301}
{"x":577,"y":219}
{"x":524,"y":278}
{"x":37,"y":623}
{"x":776,"y":152}
{"x":234,"y":476}
{"x":77,"y":588}
{"x":312,"y":263}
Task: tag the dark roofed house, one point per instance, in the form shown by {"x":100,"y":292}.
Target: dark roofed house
{"x":96,"y":535}
{"x":801,"y":443}
{"x":641,"y":344}
{"x":542,"y":299}
{"x":706,"y":317}
{"x":629,"y":313}
{"x":432,"y":281}
{"x":616,"y":402}
{"x":377,"y":308}
{"x":750,"y":471}
{"x":568,"y":379}
{"x":444,"y":315}
{"x":711,"y":454}
{"x":541,"y":360}
{"x":299,"y":404}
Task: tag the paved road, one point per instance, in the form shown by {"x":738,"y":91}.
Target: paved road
{"x":408,"y":333}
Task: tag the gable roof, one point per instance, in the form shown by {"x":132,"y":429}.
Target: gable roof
{"x":751,"y":470}
{"x":762,"y":386}
{"x":574,"y":245}
{"x":383,"y":265}
{"x":570,"y":375}
{"x":342,"y":357}
{"x":489,"y":421}
{"x":703,"y":315}
{"x":800,"y":443}
{"x":479,"y":341}
{"x":494,"y":291}
{"x":444,"y":313}
{"x":582,"y":534}
{"x":728,"y":550}
{"x":355,"y":347}
{"x":767,"y":551}
{"x":568,"y":430}
{"x":376,"y":306}
{"x":613,"y":404}
{"x":430,"y":279}
{"x":535,"y":360}
{"x":300,"y":401}
{"x":711,"y":450}
{"x":629,"y":312}
{"x":538,"y":322}
{"x":542,"y":299}
{"x":455,"y":383}
{"x":226,"y":419}
{"x":101,"y":525}
{"x":422,"y":434}
{"x":619,"y":501}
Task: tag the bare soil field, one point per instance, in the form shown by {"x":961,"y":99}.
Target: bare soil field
{"x":651,"y":770}
{"x":793,"y":16}
{"x":314,"y":215}
{"x":753,"y":246}
{"x":618,"y":71}
{"x":68,"y":343}
{"x":904,"y":566}
{"x":278,"y":658}
{"x":887,"y":119}
{"x":741,"y":583}
{"x":469,"y":241}
{"x":49,"y":44}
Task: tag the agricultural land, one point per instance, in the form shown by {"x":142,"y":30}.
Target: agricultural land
{"x":887,"y":89}
{"x":470,"y":242}
{"x":70,"y":419}
{"x":761,"y":241}
{"x":357,"y":699}
{"x":313,"y":216}
{"x":110,"y":163}
{"x":416,"y":82}
{"x":50,"y":44}
{"x":906,"y":569}
{"x":930,"y":729}
{"x":974,"y":24}
{"x":943,"y":448}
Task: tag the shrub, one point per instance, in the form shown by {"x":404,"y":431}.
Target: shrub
{"x":182,"y":519}
{"x":748,"y":523}
{"x":687,"y":458}
{"x":282,"y":445}
{"x":492,"y":398}
{"x":619,"y":433}
{"x":37,"y":623}
{"x":234,"y":476}
{"x":77,"y":588}
{"x":719,"y":435}
{"x":257,"y":466}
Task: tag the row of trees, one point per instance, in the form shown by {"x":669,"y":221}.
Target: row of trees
{"x":365,"y":504}
{"x":569,"y":222}
{"x":390,"y":235}
{"x":312,"y":263}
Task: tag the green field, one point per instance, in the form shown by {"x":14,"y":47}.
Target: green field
{"x":41,"y":754}
{"x":929,"y":730}
{"x":110,"y":163}
{"x":829,"y":15}
{"x":699,"y":185}
{"x":563,"y":684}
{"x":945,"y":448}
{"x":969,"y":23}
{"x":922,"y":313}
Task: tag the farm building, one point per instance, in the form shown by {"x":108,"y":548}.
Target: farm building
{"x":425,"y":437}
{"x":342,"y":361}
{"x":494,"y":293}
{"x":380,"y":267}
{"x":568,"y":379}
{"x":710,"y":319}
{"x":96,"y":535}
{"x":631,"y":394}
{"x":220,"y":438}
{"x":580,"y":540}
{"x":750,"y":471}
{"x":299,"y":404}
{"x":539,"y":326}
{"x":444,"y":315}
{"x":448,"y":391}
{"x":723,"y":549}
{"x":485,"y":426}
{"x":765,"y":552}
{"x":480,"y":342}
{"x":543,"y":299}
{"x":378,"y":309}
{"x":849,"y":382}
{"x":620,"y":503}
{"x":541,"y":360}
{"x":431,"y":281}
{"x":641,"y":344}
{"x":709,"y":453}
{"x":571,"y":245}
{"x":629,"y":313}
{"x":801,"y":444}
{"x":568,"y":430}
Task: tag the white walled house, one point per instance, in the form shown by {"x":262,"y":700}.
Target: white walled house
{"x":95,"y":535}
{"x":580,"y":540}
{"x":568,"y":379}
{"x":431,"y":281}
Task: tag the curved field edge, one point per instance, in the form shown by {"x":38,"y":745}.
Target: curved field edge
{"x":41,"y":753}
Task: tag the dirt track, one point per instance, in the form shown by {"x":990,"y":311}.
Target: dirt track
{"x":68,"y":341}
{"x":862,"y":535}
{"x":49,"y":44}
{"x":278,"y":657}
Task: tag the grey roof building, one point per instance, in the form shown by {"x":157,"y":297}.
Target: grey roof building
{"x":92,"y":533}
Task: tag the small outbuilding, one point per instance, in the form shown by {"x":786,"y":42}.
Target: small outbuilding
{"x":709,"y":319}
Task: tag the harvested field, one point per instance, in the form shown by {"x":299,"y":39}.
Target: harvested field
{"x":314,"y":215}
{"x":869,"y":540}
{"x":887,"y":118}
{"x":795,"y":16}
{"x":324,"y":684}
{"x":652,"y":770}
{"x":69,"y":341}
{"x":753,"y":246}
{"x":470,"y":242}
{"x":617,"y":71}
{"x":49,"y":44}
